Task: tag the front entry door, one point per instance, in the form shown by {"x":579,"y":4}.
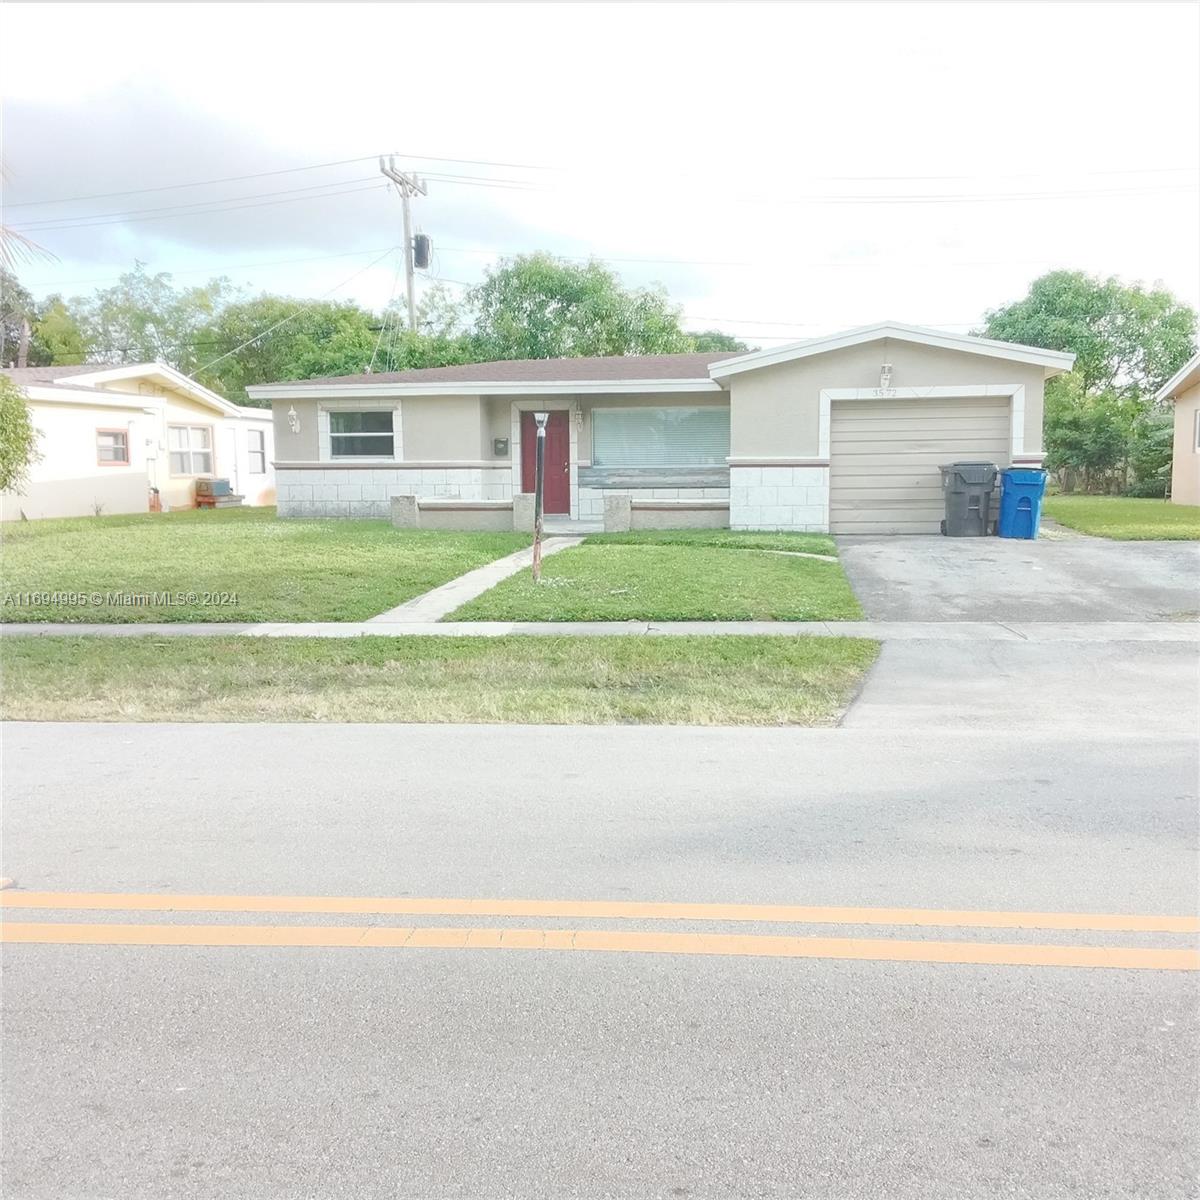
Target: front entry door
{"x":556,"y":494}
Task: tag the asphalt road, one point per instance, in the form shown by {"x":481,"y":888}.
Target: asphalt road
{"x":160,"y":1071}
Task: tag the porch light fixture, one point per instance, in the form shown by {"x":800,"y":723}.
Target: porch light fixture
{"x":578,"y":411}
{"x":293,"y":418}
{"x":885,"y":377}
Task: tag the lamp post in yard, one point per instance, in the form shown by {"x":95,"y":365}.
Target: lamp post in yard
{"x":538,"y":474}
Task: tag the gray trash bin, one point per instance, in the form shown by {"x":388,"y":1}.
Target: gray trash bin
{"x":968,"y":488}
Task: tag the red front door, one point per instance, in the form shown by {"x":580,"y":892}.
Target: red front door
{"x":556,"y":494}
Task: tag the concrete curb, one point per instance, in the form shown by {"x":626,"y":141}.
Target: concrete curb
{"x":886,"y":631}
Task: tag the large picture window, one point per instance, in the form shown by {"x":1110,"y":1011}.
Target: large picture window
{"x":659,"y":437}
{"x":361,"y":434}
{"x":191,"y":449}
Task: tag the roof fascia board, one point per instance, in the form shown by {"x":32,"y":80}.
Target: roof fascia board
{"x":571,"y":387}
{"x":175,"y":378}
{"x":1053,"y":360}
{"x":1180,"y":380}
{"x":60,"y":394}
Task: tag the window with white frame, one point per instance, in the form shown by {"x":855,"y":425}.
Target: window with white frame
{"x":112,"y":447}
{"x":191,"y":449}
{"x":660,"y":437}
{"x":1196,"y":431}
{"x":361,"y":434}
{"x":256,"y":455}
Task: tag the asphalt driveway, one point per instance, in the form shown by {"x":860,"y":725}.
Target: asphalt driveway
{"x":1062,"y":577}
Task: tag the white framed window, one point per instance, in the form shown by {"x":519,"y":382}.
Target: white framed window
{"x":112,"y":447}
{"x":256,"y":455}
{"x":1196,"y":431}
{"x":191,"y":449}
{"x":660,"y":437}
{"x":367,"y":434}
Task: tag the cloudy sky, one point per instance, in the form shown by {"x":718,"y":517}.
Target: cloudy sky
{"x":783,"y":169}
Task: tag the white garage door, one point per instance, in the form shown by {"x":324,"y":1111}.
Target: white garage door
{"x":885,"y":454}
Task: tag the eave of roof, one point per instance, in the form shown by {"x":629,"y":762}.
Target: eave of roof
{"x":1184,"y":378}
{"x":1054,"y":361}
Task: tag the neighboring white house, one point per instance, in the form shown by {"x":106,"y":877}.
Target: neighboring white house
{"x":108,"y":435}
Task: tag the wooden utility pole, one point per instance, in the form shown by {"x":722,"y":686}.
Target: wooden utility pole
{"x":408,"y":186}
{"x":23,"y":344}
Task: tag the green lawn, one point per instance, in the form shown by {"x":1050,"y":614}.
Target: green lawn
{"x":804,"y":543}
{"x":605,"y":582}
{"x":291,"y":570}
{"x":557,"y":680}
{"x":1124,"y":519}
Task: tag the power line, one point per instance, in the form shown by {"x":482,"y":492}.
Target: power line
{"x":373,"y":187}
{"x":64,"y":222}
{"x":340,"y":162}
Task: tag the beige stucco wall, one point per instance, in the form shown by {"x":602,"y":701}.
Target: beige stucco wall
{"x":1185,"y":462}
{"x":67,"y":481}
{"x":776,"y":410}
{"x":442,"y":428}
{"x":303,"y":445}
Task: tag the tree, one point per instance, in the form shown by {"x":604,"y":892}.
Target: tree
{"x":286,"y":339}
{"x":145,"y":318}
{"x":536,"y":306}
{"x":17,"y":305}
{"x":18,"y":437}
{"x":1127,"y":341}
{"x":57,"y":338}
{"x":713,"y":340}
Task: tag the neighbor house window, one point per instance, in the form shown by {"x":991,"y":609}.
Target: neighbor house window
{"x":112,"y":447}
{"x":659,"y":437}
{"x":258,"y":451}
{"x":361,"y":434}
{"x":191,"y":449}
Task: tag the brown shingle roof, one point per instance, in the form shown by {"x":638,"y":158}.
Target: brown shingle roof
{"x":535,"y":370}
{"x":49,"y":374}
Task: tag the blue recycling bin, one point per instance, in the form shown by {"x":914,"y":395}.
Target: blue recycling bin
{"x":1021,"y":492}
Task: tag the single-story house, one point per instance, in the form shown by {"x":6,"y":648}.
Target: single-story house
{"x":1183,"y":388}
{"x":108,"y":435}
{"x":841,"y":433}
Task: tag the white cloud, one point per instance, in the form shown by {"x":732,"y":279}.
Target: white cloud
{"x":701,"y":133}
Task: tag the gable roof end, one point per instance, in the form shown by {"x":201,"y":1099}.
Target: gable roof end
{"x":1184,"y":378}
{"x":1054,"y":361}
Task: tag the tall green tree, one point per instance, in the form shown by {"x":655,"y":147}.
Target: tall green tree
{"x":713,"y":340}
{"x":284,"y":338}
{"x":145,"y":318}
{"x":536,"y":306}
{"x":57,"y":336}
{"x":1128,"y":340}
{"x":17,"y":305}
{"x":18,"y":437}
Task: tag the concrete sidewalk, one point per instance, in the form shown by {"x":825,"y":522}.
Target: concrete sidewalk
{"x":1044,"y":632}
{"x":440,"y":601}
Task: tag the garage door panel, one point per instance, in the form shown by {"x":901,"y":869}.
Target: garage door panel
{"x":885,"y":456}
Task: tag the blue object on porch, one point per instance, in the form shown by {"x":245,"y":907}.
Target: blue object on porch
{"x":1021,"y":492}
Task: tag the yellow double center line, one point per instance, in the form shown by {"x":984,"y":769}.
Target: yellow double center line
{"x":879,"y":949}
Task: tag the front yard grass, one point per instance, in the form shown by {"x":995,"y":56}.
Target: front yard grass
{"x":680,"y":582}
{"x":1124,"y":519}
{"x":291,"y":570}
{"x":554,"y":680}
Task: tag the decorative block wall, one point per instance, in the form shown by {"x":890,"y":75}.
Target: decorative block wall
{"x":591,"y":500}
{"x":779,"y":498}
{"x":361,"y":492}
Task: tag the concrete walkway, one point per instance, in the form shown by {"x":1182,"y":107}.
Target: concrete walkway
{"x":1044,"y":632}
{"x":435,"y":604}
